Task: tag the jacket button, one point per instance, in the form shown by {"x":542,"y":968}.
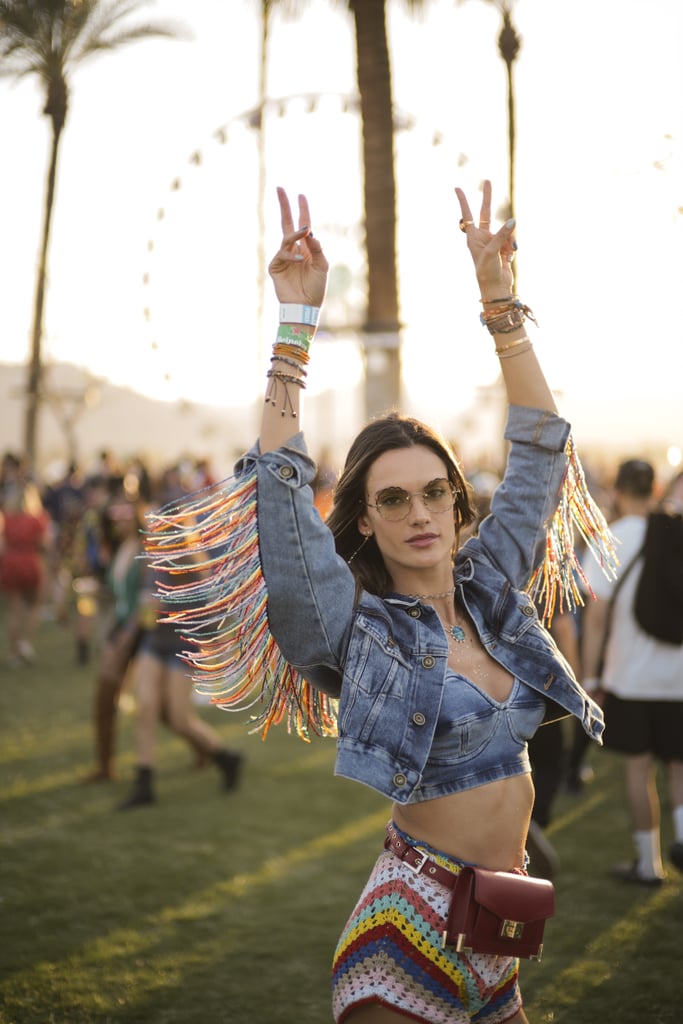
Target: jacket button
{"x":286,"y":472}
{"x":400,"y":779}
{"x":428,"y":662}
{"x":414,"y":613}
{"x":419,"y":718}
{"x":528,"y":609}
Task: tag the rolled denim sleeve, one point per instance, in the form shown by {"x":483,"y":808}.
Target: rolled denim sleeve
{"x":513,"y":535}
{"x":311,"y":590}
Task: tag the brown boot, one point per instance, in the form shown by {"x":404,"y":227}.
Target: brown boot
{"x":106,"y":696}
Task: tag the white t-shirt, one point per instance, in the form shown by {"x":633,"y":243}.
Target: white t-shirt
{"x":637,"y":667}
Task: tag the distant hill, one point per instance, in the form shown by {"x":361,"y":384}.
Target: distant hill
{"x":82,"y":415}
{"x":86,"y":414}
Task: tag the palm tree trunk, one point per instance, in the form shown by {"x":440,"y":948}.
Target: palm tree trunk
{"x":512,"y":137}
{"x":512,"y":143}
{"x":35,"y":370}
{"x":382,"y":326}
{"x":261,"y":261}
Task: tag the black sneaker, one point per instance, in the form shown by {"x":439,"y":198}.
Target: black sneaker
{"x":230,"y":765}
{"x":629,"y":873}
{"x":676,"y":855}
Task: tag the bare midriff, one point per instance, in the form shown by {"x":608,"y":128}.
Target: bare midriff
{"x":486,"y":825}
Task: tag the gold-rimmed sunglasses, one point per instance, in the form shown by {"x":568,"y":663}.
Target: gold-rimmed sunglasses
{"x":393,"y":503}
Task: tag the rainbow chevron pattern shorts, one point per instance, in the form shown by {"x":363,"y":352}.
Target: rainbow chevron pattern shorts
{"x":390,"y":954}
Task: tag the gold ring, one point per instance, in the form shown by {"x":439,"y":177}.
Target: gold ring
{"x":486,"y":222}
{"x":465,"y":224}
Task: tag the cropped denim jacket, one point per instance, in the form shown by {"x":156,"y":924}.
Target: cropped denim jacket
{"x":386,"y":658}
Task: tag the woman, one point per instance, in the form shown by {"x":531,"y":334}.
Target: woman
{"x":124,"y":582}
{"x":164,"y":693}
{"x":24,"y":526}
{"x":437,"y":653}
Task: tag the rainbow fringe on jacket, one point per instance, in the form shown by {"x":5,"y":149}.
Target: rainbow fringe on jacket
{"x":556,"y":580}
{"x":205,"y":553}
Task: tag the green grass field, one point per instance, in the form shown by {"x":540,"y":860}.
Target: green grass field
{"x":213,"y":908}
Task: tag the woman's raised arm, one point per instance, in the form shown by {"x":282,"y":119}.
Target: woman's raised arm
{"x":502,"y":312}
{"x":299,"y":273}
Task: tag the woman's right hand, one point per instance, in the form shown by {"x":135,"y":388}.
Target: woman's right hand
{"x":299,"y":268}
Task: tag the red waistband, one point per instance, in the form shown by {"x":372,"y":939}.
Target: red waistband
{"x":417,"y":860}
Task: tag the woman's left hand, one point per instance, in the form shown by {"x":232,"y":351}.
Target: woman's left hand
{"x":491,"y":253}
{"x":299,"y":268}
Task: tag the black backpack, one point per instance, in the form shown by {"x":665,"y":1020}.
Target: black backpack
{"x":658,"y":605}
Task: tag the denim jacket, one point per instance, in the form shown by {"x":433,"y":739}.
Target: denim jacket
{"x":386,"y":657}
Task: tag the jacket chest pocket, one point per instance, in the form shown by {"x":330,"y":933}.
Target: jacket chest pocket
{"x":375,"y":662}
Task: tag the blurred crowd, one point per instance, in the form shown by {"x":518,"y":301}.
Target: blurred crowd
{"x":59,"y":538}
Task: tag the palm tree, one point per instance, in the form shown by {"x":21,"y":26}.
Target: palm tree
{"x":47,"y":39}
{"x":509,"y":45}
{"x":382,"y":323}
{"x":382,"y":327}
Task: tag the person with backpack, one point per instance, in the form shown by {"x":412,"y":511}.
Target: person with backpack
{"x":635,"y":675}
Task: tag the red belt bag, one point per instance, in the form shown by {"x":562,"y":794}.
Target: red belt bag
{"x":498,"y":912}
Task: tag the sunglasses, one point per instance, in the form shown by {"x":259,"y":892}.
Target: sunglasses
{"x":393,"y":503}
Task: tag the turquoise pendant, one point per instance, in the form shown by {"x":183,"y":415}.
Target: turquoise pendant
{"x":458,"y":634}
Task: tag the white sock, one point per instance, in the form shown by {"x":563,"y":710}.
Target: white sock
{"x":648,"y":848}
{"x":678,"y":823}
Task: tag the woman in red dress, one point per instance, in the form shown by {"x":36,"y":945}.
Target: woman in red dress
{"x":23,"y":536}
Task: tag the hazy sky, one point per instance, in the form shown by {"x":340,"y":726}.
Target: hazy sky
{"x":599,"y":178}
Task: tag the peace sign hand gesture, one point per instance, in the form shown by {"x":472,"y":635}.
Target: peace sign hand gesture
{"x":299,"y":268}
{"x":491,"y":253}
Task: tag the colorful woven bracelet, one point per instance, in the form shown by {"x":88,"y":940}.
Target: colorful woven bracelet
{"x":295,"y":336}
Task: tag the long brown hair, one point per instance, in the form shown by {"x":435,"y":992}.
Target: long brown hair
{"x":386,"y":433}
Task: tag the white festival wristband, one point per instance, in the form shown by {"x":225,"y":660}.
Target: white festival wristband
{"x":293,"y":313}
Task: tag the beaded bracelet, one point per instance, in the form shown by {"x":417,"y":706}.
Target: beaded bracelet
{"x":296,"y":364}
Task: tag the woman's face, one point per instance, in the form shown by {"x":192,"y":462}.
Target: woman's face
{"x":424,"y":539}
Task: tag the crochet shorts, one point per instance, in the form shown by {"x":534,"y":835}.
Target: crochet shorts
{"x":390,"y":953}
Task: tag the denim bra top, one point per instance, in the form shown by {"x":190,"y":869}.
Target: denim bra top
{"x":479,"y":739}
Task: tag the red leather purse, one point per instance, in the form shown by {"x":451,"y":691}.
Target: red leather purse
{"x":498,"y":912}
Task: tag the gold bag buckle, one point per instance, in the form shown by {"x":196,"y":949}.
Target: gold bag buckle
{"x":511,"y":929}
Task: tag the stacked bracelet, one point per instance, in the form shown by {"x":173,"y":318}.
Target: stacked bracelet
{"x":294,"y":313}
{"x":276,"y":377}
{"x":508,"y":315}
{"x":291,"y":348}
